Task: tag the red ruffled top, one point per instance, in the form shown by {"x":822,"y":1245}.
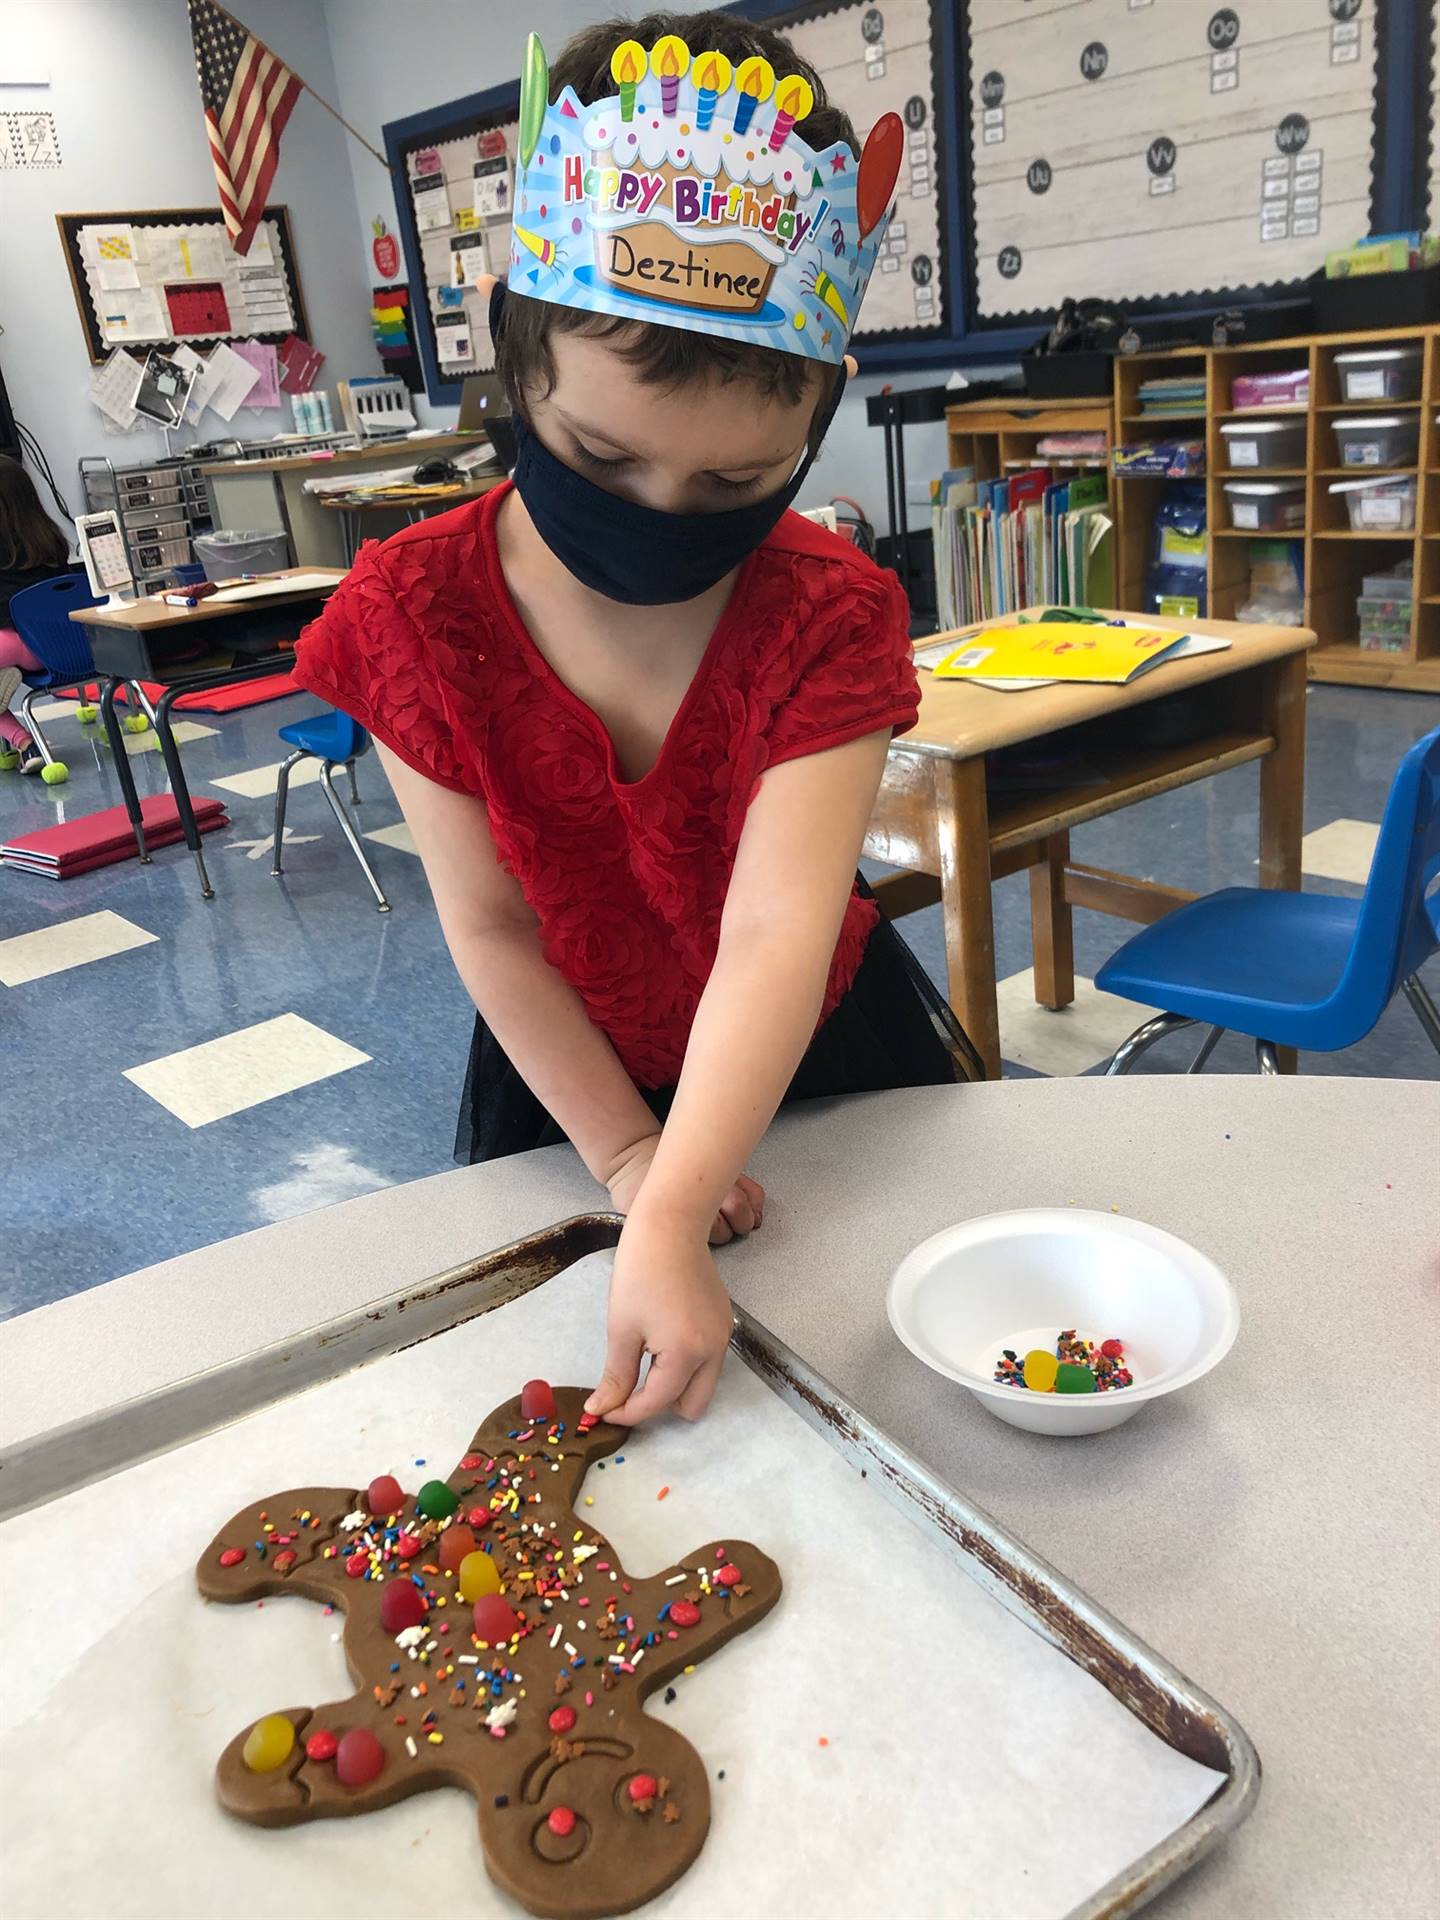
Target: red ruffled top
{"x":422,"y":644}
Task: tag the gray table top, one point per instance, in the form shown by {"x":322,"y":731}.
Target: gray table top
{"x":1271,"y":1530}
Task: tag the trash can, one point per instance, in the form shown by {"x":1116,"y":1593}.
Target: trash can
{"x":227,"y":552}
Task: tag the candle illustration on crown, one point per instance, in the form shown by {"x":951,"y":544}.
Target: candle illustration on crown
{"x":754,"y":82}
{"x":712,"y":77}
{"x":793,"y":101}
{"x":669,"y":60}
{"x":627,"y":70}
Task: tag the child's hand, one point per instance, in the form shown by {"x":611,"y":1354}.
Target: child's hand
{"x":741,"y":1211}
{"x":666,"y":1299}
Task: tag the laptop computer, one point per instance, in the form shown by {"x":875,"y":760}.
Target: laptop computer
{"x":485,"y":407}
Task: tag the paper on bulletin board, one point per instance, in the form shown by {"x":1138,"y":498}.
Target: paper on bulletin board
{"x":262,"y":357}
{"x":132,"y":313}
{"x":115,"y":257}
{"x":467,"y":259}
{"x":230,"y":381}
{"x":453,"y":340}
{"x":264,"y":300}
{"x":300,"y":363}
{"x":432,"y":203}
{"x":113,"y":387}
{"x":968,"y":1767}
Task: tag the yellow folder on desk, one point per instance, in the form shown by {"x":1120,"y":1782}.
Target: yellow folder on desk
{"x":1060,"y":650}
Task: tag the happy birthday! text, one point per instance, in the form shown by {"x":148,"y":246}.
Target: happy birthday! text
{"x":693,"y":203}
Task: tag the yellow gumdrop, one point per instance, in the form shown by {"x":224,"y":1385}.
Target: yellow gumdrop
{"x":1040,"y":1370}
{"x":269,"y":1743}
{"x":478,"y":1576}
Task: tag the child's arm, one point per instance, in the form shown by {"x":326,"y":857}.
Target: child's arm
{"x":792,"y":878}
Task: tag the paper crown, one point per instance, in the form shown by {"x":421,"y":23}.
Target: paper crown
{"x":688,"y":201}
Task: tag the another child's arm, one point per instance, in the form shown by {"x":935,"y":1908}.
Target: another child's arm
{"x":792,"y":878}
{"x":535,"y":1015}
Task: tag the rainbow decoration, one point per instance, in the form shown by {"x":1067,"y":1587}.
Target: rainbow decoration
{"x":670,"y":202}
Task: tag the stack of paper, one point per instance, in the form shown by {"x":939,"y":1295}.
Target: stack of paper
{"x":101,"y":839}
{"x":1079,"y":647}
{"x":1001,"y":545}
{"x":1181,"y":395}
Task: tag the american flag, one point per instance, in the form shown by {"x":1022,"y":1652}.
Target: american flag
{"x":248,"y":95}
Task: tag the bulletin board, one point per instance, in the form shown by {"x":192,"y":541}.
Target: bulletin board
{"x":1135,"y":151}
{"x":877,"y":59}
{"x":455,"y":179}
{"x":170,"y":275}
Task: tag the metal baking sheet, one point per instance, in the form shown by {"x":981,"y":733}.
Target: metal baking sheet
{"x":972,"y":1766}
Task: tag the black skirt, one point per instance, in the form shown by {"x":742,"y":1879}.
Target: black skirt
{"x":892,"y":1029}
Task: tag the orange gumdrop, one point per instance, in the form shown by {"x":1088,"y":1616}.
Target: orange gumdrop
{"x":455,"y":1543}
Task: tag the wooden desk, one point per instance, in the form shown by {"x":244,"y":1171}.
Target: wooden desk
{"x":138,"y":642}
{"x":409,"y":506}
{"x":939,"y":819}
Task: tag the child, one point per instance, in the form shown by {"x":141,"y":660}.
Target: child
{"x":635,"y":712}
{"x":32,"y":548}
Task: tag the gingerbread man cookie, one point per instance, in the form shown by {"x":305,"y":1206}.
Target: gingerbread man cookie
{"x":497,"y":1644}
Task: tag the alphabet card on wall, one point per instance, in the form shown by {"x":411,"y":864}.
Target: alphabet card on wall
{"x":1132,"y":151}
{"x":31,"y":140}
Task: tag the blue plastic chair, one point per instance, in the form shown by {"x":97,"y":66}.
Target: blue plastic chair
{"x":335,"y":740}
{"x":1300,"y":970}
{"x":41,"y":617}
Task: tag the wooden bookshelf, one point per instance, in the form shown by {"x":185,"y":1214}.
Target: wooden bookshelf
{"x":1336,"y":558}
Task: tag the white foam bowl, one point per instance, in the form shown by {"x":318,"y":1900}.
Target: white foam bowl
{"x":1017,"y":1279}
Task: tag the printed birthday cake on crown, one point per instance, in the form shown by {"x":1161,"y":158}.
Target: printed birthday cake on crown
{"x":688,"y":200}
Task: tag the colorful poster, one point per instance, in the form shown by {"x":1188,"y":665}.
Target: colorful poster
{"x":197,"y":307}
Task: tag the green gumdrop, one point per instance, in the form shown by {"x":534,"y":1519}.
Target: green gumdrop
{"x":1069,"y":1379}
{"x":534,"y":97}
{"x":437,"y":1501}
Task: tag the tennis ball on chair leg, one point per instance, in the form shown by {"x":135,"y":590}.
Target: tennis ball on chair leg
{"x":136,"y":723}
{"x":55,"y":774}
{"x":86,"y":714}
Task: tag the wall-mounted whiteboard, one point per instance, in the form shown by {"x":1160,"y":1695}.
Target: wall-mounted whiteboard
{"x":876,"y":57}
{"x":1139,"y":150}
{"x":170,"y":275}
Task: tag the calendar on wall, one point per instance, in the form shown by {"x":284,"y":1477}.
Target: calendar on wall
{"x":875,"y":57}
{"x":1140,"y":150}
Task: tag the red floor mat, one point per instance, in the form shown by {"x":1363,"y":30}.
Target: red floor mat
{"x":248,"y":693}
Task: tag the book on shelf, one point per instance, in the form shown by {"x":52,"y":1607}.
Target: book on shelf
{"x":1021,"y":541}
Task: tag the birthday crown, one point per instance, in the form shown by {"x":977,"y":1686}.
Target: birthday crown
{"x":687,"y":200}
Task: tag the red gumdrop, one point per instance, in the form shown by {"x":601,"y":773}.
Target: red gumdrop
{"x":322,"y":1745}
{"x":356,"y":1565}
{"x":479,"y":1516}
{"x":232,"y":1556}
{"x":685,"y":1613}
{"x":561,"y":1822}
{"x":358,"y":1758}
{"x":537,"y":1401}
{"x":385,"y":1495}
{"x":455,"y":1542}
{"x":728,"y":1576}
{"x":401,"y":1605}
{"x":879,"y":169}
{"x":406,"y":1547}
{"x":495,"y":1622}
{"x":642,"y":1786}
{"x":562,"y":1720}
{"x":1112,"y":1349}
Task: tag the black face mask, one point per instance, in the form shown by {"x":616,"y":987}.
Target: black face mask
{"x":636,"y":554}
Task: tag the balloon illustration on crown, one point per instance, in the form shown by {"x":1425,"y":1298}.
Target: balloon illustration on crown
{"x":687,"y":200}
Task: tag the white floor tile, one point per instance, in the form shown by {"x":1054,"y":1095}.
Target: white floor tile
{"x":239,"y":1070}
{"x":1341,"y":851}
{"x":397,"y":836}
{"x":256,"y":782}
{"x":149,"y":741}
{"x":69,"y":943}
{"x":44,"y":710}
{"x":1068,"y":1042}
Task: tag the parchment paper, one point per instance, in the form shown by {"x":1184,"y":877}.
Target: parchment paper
{"x":970,"y":1770}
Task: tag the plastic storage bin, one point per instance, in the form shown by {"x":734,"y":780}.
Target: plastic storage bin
{"x":1380,"y":373}
{"x":1264,"y":443}
{"x":1385,"y":617}
{"x":227,"y":552}
{"x":1284,"y":387}
{"x":1378,"y":439}
{"x":1383,"y":506}
{"x":1266,"y":506}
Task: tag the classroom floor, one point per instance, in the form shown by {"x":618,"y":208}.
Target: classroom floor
{"x":179,"y":1071}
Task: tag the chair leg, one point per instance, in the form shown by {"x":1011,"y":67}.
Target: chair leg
{"x":282,"y":794}
{"x":140,"y":702}
{"x":1426,"y":1012}
{"x":354,"y":790}
{"x":1143,"y":1038}
{"x":1207,"y":1047}
{"x":33,"y":726}
{"x":337,"y":807}
{"x":1266,"y":1058}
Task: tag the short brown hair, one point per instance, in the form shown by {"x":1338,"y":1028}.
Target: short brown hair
{"x":669,"y":356}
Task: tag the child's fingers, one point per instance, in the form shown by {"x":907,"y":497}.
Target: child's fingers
{"x":623,"y":1355}
{"x":701,"y":1390}
{"x":669,"y":1376}
{"x":721,"y":1231}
